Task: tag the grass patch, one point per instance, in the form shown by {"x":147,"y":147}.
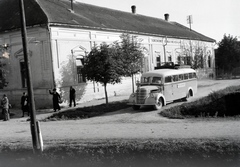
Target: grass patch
{"x":167,"y":153}
{"x":88,"y":112}
{"x":225,"y":102}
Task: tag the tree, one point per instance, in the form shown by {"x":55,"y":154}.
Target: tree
{"x":3,"y":66}
{"x":3,"y":82}
{"x":131,"y":55}
{"x":228,"y":54}
{"x":198,"y":61}
{"x":101,"y":65}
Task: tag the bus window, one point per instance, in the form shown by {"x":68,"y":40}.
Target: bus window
{"x":175,"y":78}
{"x":156,"y":80}
{"x":145,"y":79}
{"x":194,"y":75}
{"x":180,"y":77}
{"x":168,"y":79}
{"x":185,"y":76}
{"x":190,"y":75}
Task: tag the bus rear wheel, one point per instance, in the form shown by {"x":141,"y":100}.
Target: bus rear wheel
{"x":189,"y":94}
{"x":136,"y":107}
{"x":159,"y":104}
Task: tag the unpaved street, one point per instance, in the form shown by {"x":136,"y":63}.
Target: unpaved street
{"x":126,"y":125}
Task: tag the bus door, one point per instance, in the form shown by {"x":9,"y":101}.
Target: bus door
{"x":168,"y":88}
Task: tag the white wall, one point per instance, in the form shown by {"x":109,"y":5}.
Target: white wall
{"x":40,"y":65}
{"x":52,"y":61}
{"x":64,"y":40}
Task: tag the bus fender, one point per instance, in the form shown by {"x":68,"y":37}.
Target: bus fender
{"x":190,"y":89}
{"x":161,"y":96}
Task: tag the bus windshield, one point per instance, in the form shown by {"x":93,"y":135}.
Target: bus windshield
{"x":151,"y":80}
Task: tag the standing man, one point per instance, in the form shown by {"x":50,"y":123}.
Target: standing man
{"x":72,"y":96}
{"x":24,"y":104}
{"x":56,"y":98}
{"x":5,"y":108}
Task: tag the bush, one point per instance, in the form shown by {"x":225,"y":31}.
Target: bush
{"x":224,"y":102}
{"x":87,"y":112}
{"x":167,"y":153}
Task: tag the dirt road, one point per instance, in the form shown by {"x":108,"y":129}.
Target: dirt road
{"x":126,"y":125}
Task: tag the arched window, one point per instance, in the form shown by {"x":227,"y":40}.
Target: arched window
{"x":79,"y":53}
{"x":209,"y":61}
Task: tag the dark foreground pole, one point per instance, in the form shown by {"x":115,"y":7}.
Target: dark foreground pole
{"x":33,"y":126}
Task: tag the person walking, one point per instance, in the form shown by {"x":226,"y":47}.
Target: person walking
{"x":56,"y":98}
{"x":5,"y":108}
{"x":72,"y":96}
{"x":24,"y":104}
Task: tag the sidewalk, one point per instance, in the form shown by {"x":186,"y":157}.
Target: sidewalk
{"x":44,"y":113}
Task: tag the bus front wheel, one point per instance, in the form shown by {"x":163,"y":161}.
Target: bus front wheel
{"x":159,"y":104}
{"x":136,"y":107}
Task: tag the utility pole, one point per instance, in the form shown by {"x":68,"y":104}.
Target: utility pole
{"x":190,"y":21}
{"x":164,"y":41}
{"x":33,"y":124}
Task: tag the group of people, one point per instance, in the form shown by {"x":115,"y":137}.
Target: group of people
{"x":25,"y":102}
{"x":57,"y":98}
{"x":6,"y":106}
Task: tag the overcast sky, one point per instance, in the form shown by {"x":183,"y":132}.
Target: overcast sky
{"x":212,"y":18}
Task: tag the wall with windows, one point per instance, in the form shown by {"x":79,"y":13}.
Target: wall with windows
{"x":57,"y":57}
{"x":40,"y":63}
{"x":69,"y":46}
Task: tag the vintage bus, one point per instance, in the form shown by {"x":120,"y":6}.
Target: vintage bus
{"x":162,"y":86}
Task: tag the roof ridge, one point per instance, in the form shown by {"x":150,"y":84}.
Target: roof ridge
{"x":88,"y":16}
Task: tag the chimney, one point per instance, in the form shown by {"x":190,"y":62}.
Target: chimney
{"x":72,"y":5}
{"x":166,"y":16}
{"x":71,"y":10}
{"x":133,"y":9}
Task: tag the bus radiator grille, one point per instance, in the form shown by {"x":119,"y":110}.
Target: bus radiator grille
{"x":141,"y":95}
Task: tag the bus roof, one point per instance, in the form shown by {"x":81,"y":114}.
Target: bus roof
{"x":168,"y":72}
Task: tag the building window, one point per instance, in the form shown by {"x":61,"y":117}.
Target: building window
{"x":158,"y":61}
{"x":209,"y":61}
{"x":79,"y":52}
{"x":80,"y":75}
{"x":169,"y":56}
{"x":23,"y":74}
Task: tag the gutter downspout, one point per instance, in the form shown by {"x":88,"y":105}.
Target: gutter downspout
{"x":50,"y":43}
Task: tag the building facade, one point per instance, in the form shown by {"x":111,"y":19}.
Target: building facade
{"x":60,"y":37}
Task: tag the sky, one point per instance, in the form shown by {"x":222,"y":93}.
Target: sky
{"x":212,"y":18}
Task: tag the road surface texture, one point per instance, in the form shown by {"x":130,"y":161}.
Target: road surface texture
{"x":124,"y":125}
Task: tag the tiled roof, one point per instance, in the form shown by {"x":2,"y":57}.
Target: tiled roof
{"x":58,"y":13}
{"x":10,"y":14}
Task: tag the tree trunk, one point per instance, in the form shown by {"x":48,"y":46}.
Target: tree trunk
{"x":105,"y":89}
{"x":132,"y":83}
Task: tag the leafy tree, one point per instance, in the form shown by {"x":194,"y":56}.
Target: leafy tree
{"x":228,"y":54}
{"x":101,"y":65}
{"x":198,"y":61}
{"x":3,"y":82}
{"x":4,"y":56}
{"x":131,"y":55}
